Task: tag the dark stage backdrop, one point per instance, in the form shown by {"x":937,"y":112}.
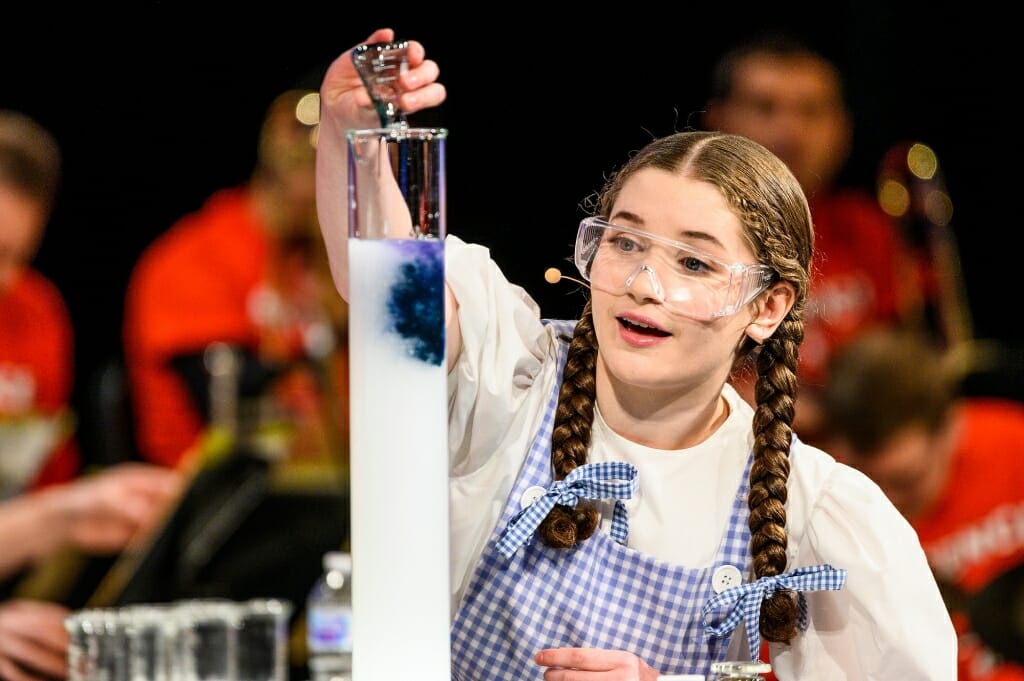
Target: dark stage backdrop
{"x":159,"y":106}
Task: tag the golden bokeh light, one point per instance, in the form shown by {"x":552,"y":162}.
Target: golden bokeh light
{"x":938,"y":207}
{"x":922,"y":161}
{"x":894,"y":198}
{"x":308,"y":109}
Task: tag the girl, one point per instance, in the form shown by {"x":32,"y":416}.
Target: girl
{"x":617,"y":511}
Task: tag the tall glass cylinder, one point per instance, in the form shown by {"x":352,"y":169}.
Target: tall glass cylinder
{"x":398,"y":384}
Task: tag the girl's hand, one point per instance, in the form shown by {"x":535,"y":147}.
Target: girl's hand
{"x":345,"y":103}
{"x":593,"y":664}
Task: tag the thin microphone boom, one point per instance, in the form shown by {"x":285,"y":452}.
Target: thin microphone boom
{"x":553,"y":275}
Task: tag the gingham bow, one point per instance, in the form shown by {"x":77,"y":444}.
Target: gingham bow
{"x":744,"y":600}
{"x":604,"y":480}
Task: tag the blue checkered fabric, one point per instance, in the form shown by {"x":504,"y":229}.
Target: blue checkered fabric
{"x":743,"y":602}
{"x":600,"y":594}
{"x":603,"y":480}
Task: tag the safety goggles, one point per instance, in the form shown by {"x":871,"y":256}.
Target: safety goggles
{"x":687,"y":280}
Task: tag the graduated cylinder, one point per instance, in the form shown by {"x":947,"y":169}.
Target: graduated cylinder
{"x":399,"y":443}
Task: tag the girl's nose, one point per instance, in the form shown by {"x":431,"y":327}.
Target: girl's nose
{"x":653,"y":286}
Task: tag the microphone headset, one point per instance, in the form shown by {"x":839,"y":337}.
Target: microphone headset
{"x":553,"y":275}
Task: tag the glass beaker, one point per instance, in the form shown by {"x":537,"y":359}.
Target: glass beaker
{"x":207,"y":640}
{"x":149,"y":639}
{"x":739,"y":670}
{"x":263,"y":639}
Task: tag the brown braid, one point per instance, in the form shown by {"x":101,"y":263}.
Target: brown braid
{"x":570,"y":437}
{"x":775,"y":394}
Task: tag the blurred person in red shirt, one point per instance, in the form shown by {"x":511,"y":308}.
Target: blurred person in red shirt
{"x":954,"y":467}
{"x":47,"y":503}
{"x":779,"y":92}
{"x":246,"y":270}
{"x":37,"y":443}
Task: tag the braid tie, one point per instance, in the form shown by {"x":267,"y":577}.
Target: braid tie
{"x":744,"y":602}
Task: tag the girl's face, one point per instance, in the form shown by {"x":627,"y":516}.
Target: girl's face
{"x":643,"y":345}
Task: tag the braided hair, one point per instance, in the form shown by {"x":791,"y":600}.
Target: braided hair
{"x":777,"y":227}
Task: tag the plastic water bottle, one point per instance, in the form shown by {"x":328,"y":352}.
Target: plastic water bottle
{"x":329,"y":620}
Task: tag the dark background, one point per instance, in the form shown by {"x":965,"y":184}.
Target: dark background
{"x":158,"y":106}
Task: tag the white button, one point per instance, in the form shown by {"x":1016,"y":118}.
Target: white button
{"x":531,"y":495}
{"x":725,"y":577}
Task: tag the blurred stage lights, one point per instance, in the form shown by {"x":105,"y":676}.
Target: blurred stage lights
{"x":911,"y":182}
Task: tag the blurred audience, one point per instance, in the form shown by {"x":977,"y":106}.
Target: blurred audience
{"x":37,"y":424}
{"x":102,"y":514}
{"x":231,"y":318}
{"x":954,"y":466}
{"x":778,"y":91}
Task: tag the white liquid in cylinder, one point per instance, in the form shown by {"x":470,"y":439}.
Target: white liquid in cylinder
{"x":399,"y":460}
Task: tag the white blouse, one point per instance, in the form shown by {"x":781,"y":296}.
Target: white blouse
{"x":888,"y":622}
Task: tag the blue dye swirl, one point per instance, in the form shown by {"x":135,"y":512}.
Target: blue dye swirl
{"x":416,"y":300}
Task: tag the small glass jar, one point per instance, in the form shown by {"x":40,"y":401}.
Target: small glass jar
{"x":739,"y":671}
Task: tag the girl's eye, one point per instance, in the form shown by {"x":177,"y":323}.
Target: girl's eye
{"x":625,"y":244}
{"x":692,"y":264}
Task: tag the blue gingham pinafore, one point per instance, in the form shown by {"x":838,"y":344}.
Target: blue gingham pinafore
{"x":600,"y":594}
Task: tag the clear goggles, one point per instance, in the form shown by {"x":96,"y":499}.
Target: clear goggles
{"x":687,"y":280}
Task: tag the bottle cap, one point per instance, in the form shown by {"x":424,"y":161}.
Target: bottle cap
{"x":338,"y":560}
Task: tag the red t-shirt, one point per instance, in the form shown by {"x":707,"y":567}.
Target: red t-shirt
{"x":189,"y":288}
{"x":213,"y":276}
{"x":37,"y":364}
{"x":973,"y":532}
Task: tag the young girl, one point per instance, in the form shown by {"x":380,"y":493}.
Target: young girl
{"x":617,"y":511}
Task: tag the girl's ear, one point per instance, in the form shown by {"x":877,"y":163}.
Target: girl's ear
{"x":778,"y":301}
